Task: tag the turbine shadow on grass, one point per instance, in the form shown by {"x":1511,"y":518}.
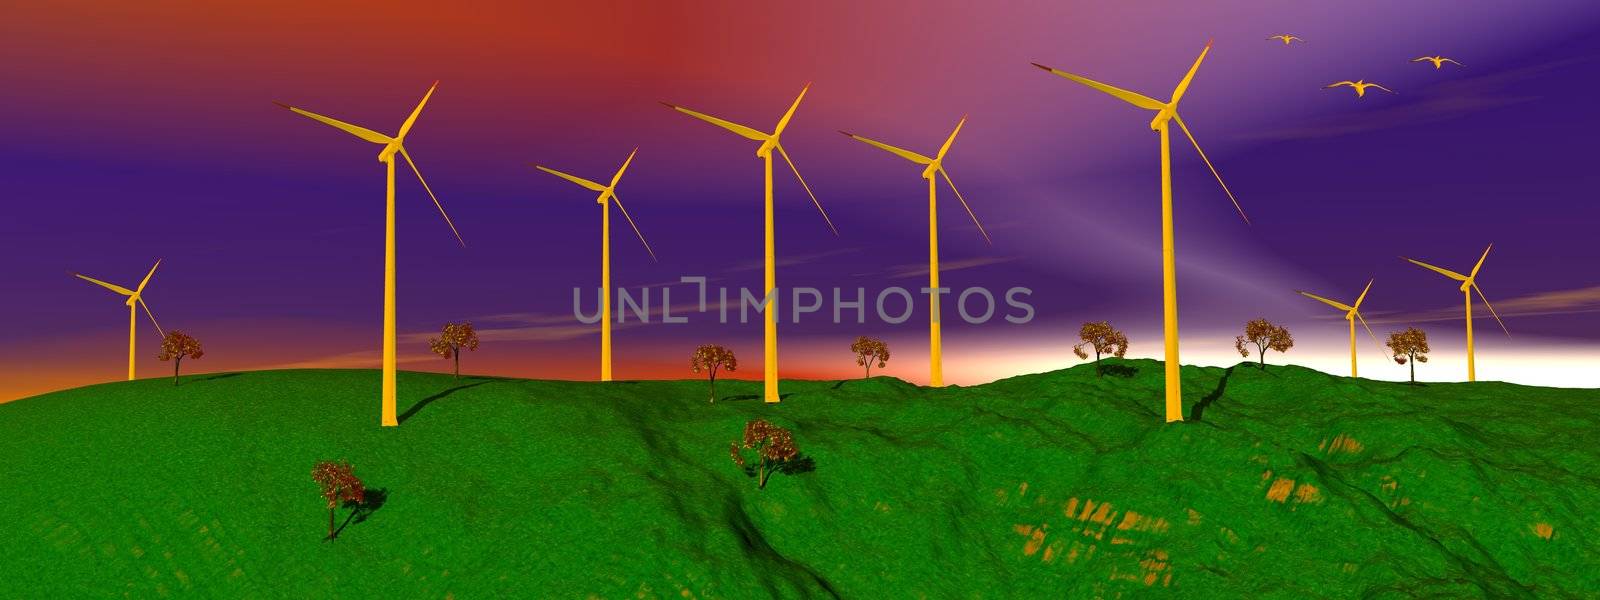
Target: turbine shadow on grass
{"x":1199,"y":409}
{"x":415,"y":408}
{"x":361,"y":511}
{"x":216,"y":376}
{"x":752,"y":397}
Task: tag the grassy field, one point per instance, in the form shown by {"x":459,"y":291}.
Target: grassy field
{"x":1287,"y":483}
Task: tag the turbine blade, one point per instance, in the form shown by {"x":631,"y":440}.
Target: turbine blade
{"x":725,"y":124}
{"x":803,"y":184}
{"x":784,"y":122}
{"x":1214,"y":172}
{"x":1491,"y":308}
{"x":1445,"y":272}
{"x":355,"y":130}
{"x":110,"y":286}
{"x":573,"y":178}
{"x":1339,"y":305}
{"x":901,"y":152}
{"x":1363,"y":295}
{"x":964,"y":204}
{"x":1187,"y":77}
{"x":152,"y":318}
{"x":624,"y":167}
{"x":950,"y":140}
{"x":1136,"y":99}
{"x":1372,"y":335}
{"x":413,"y":118}
{"x":613,"y":195}
{"x":147,"y":277}
{"x":436,"y":203}
{"x":1475,"y":267}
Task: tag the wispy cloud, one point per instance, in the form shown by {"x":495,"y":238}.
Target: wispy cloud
{"x":920,"y":269}
{"x":363,"y":359}
{"x":1558,"y":302}
{"x":789,"y":261}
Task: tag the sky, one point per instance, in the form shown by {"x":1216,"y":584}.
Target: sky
{"x":137,"y":132}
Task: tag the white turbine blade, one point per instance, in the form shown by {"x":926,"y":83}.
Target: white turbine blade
{"x":1136,"y":99}
{"x":950,"y":140}
{"x":147,"y":277}
{"x":1491,"y":308}
{"x":624,"y":167}
{"x":1445,"y":272}
{"x":964,"y":204}
{"x":110,"y":286}
{"x":436,"y":203}
{"x":1339,"y":305}
{"x":1363,"y":295}
{"x":1214,"y":172}
{"x":624,"y":209}
{"x":803,"y":184}
{"x":901,"y":152}
{"x":355,"y":130}
{"x":1475,"y":267}
{"x":723,"y":123}
{"x":592,"y":186}
{"x":411,"y":120}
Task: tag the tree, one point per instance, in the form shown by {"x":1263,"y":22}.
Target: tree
{"x":712,"y":358}
{"x":178,"y":346}
{"x":1409,"y":345}
{"x":773,"y":446}
{"x":452,"y":340}
{"x":868,"y":351}
{"x":1105,"y":339}
{"x":1265,"y":336}
{"x":339,"y":485}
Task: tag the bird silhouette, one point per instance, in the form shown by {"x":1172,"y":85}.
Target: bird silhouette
{"x":1438,"y":61}
{"x":1360,"y":86}
{"x":1287,"y":38}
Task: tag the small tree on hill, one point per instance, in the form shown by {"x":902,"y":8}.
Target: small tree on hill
{"x":178,"y":346}
{"x":339,"y":485}
{"x":773,"y":447}
{"x":452,"y":340}
{"x":870,"y":350}
{"x":712,"y":358}
{"x":1105,"y":339}
{"x":1265,"y":336}
{"x":1409,"y":345}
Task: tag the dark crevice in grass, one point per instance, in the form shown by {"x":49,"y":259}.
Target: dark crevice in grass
{"x":801,"y":577}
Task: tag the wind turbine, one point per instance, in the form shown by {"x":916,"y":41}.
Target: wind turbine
{"x":135,"y":297}
{"x":1469,"y":283}
{"x":1352,"y":313}
{"x":1166,"y":112}
{"x":769,"y":143}
{"x":391,"y":146}
{"x":607,"y":192}
{"x":935,"y":167}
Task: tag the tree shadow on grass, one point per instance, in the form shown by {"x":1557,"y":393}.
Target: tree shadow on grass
{"x":415,"y":408}
{"x":1199,"y":409}
{"x":361,"y":511}
{"x":801,"y":463}
{"x":1123,"y":371}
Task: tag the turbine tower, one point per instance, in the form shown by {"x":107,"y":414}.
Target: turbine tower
{"x":391,"y":146}
{"x":608,"y":194}
{"x":1166,"y":113}
{"x":934,"y":169}
{"x":1352,"y":313}
{"x":135,"y":302}
{"x":1469,"y":283}
{"x":769,"y":143}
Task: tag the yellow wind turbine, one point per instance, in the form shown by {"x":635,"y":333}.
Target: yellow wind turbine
{"x":135,"y":302}
{"x":1352,"y":313}
{"x":1166,"y":113}
{"x":607,"y":194}
{"x":1469,"y":283}
{"x":391,"y":146}
{"x":765,"y":152}
{"x":934,"y":169}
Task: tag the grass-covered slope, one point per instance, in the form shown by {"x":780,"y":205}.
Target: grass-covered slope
{"x":1290,"y":484}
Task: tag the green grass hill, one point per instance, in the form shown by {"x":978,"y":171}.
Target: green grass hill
{"x":1284,"y":483}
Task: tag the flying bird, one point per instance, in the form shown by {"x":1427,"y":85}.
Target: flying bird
{"x":1360,"y":85}
{"x":1287,"y":38}
{"x":1438,"y":61}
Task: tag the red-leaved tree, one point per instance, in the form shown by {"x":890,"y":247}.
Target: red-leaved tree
{"x":339,"y":485}
{"x":712,"y":358}
{"x":178,"y":346}
{"x":452,"y":340}
{"x":773,"y":447}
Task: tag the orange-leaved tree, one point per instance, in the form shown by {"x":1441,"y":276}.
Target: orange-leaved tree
{"x":452,"y":340}
{"x":712,"y":358}
{"x":339,"y":485}
{"x":178,"y":346}
{"x":773,"y":446}
{"x":870,"y":350}
{"x":1104,"y":338}
{"x":1265,"y":336}
{"x":1411,"y":346}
